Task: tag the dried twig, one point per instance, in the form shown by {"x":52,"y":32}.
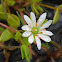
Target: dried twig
{"x":48,"y":6}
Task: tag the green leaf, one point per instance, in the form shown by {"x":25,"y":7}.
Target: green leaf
{"x":11,"y":2}
{"x":13,"y":20}
{"x":33,"y":1}
{"x":40,"y":8}
{"x":3,"y":16}
{"x":60,"y":6}
{"x":20,"y":18}
{"x":35,"y":9}
{"x":6,"y":35}
{"x":56,"y":17}
{"x":17,"y":36}
{"x":22,"y":9}
{"x":25,"y":52}
{"x":4,"y":8}
{"x":24,"y":41}
{"x":1,"y":29}
{"x":1,"y":9}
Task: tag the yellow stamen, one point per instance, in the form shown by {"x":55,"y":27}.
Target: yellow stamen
{"x":44,"y":29}
{"x":41,"y":32}
{"x":41,"y":25}
{"x":36,"y":24}
{"x":36,"y":34}
{"x":30,"y":34}
{"x":32,"y":29}
{"x":29,"y":25}
{"x":39,"y":37}
{"x":37,"y":21}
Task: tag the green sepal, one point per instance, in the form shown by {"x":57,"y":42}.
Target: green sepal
{"x":25,"y":52}
{"x":6,"y":35}
{"x":45,"y":21}
{"x":17,"y":36}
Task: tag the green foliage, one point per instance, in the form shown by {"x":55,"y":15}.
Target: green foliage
{"x":3,"y":16}
{"x":39,"y":8}
{"x":56,"y":16}
{"x":1,"y":9}
{"x":36,"y":7}
{"x":11,"y":2}
{"x":22,"y":9}
{"x":1,"y":29}
{"x":20,"y":18}
{"x":35,"y":0}
{"x":17,"y":36}
{"x":25,"y":52}
{"x":6,"y":35}
{"x":13,"y":20}
{"x":24,"y":41}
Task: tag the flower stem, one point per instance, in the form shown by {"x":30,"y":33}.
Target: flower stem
{"x":47,"y":45}
{"x":8,"y":27}
{"x":54,"y":43}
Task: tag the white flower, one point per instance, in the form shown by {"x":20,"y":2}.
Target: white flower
{"x":35,"y":31}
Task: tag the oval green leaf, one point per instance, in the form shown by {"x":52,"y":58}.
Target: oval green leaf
{"x":6,"y":35}
{"x":56,"y":17}
{"x":25,"y":52}
{"x":13,"y":20}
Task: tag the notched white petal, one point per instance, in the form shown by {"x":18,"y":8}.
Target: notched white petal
{"x":33,"y":18}
{"x":26,"y":34}
{"x":41,"y":19}
{"x":31,"y":39}
{"x":46,"y":25}
{"x":44,"y":37}
{"x":38,"y":42}
{"x":47,"y":33}
{"x":26,"y":27}
{"x":27,"y":19}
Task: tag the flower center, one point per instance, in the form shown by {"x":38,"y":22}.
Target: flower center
{"x":35,"y":30}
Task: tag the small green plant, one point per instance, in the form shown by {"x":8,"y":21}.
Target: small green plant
{"x":31,"y":33}
{"x":35,"y":6}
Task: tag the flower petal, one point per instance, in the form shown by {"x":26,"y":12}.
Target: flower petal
{"x":33,"y":18}
{"x":44,"y":37}
{"x":31,"y":39}
{"x":26,"y":27}
{"x":47,"y":33}
{"x":38,"y":42}
{"x":28,"y":21}
{"x":26,"y":34}
{"x":41,"y":19}
{"x":46,"y":25}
